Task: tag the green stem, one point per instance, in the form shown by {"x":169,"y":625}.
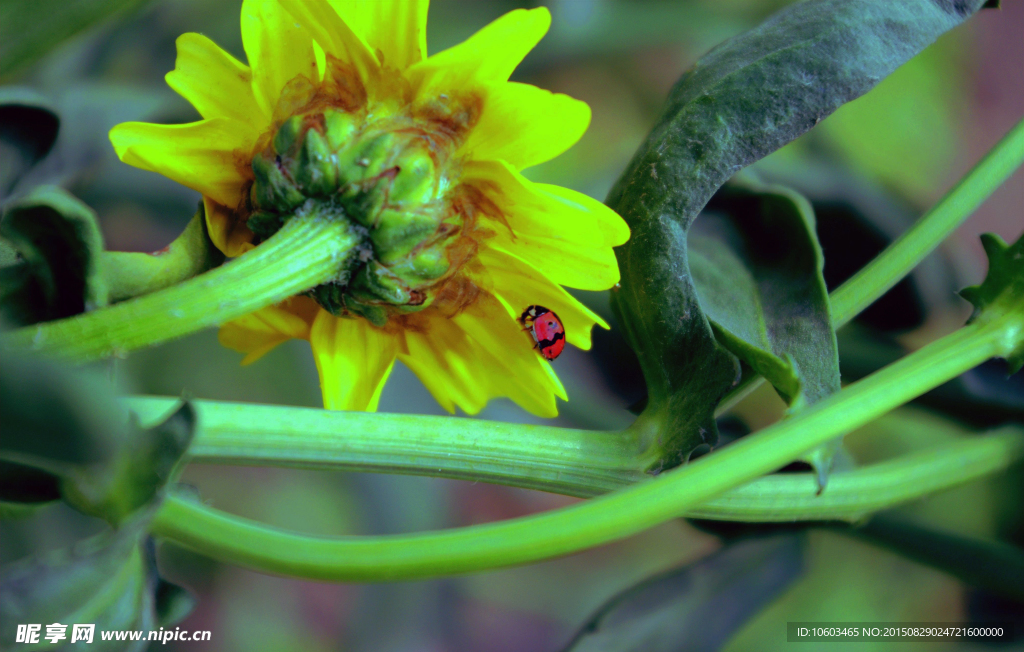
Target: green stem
{"x":852,"y":495}
{"x":560,"y":460}
{"x":905,"y":253}
{"x":888,"y":268}
{"x":591,"y":523}
{"x":129,"y":274}
{"x":307,"y":251}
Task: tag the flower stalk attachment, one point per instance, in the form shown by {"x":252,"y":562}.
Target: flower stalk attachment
{"x":313,"y":248}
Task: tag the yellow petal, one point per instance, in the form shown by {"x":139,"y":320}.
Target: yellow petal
{"x":227,"y":232}
{"x":202,"y":155}
{"x":448,"y":363}
{"x":257,"y":333}
{"x":397,"y":30}
{"x":517,"y":285}
{"x":513,"y":368}
{"x":525,"y":125}
{"x":540,"y":209}
{"x":568,"y":237}
{"x":216,"y":83}
{"x":490,"y":55}
{"x":279,"y":50}
{"x":333,"y":34}
{"x":354,"y":360}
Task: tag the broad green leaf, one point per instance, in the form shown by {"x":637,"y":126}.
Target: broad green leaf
{"x":757,"y":268}
{"x":999,"y":300}
{"x":29,"y":30}
{"x":857,"y":218}
{"x":109,"y":581}
{"x":59,"y":242}
{"x":129,"y":274}
{"x":68,"y":428}
{"x":697,"y":607}
{"x":741,"y":101}
{"x":28,"y":130}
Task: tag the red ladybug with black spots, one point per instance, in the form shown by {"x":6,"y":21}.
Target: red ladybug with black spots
{"x":547,"y":330}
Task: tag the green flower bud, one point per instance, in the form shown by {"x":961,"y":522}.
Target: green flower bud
{"x":386,"y":179}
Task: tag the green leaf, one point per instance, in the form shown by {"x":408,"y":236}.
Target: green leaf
{"x":741,"y":101}
{"x":130,"y":274}
{"x":999,"y":300}
{"x":109,"y":580}
{"x":673,"y":611}
{"x":857,"y":218}
{"x":29,"y":30}
{"x":28,"y":130}
{"x":757,"y":268}
{"x":59,"y":243}
{"x":68,"y":428}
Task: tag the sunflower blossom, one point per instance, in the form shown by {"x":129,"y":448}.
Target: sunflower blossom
{"x":340,"y":110}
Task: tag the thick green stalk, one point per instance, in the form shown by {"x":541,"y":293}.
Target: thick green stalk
{"x":306,"y":252}
{"x":591,"y":523}
{"x":559,"y":460}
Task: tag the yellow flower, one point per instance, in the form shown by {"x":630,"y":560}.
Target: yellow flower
{"x":340,"y":101}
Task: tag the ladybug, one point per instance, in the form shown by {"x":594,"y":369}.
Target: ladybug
{"x":547,"y":330}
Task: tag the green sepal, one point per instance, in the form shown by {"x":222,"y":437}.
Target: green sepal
{"x":264,"y":224}
{"x":59,"y":247}
{"x":423,"y":266}
{"x":399,"y":232}
{"x":376,"y":315}
{"x":339,"y":128}
{"x":375,"y":282}
{"x":999,"y":299}
{"x":286,"y":139}
{"x":272,"y":189}
{"x":416,"y":181}
{"x":316,"y":172}
{"x":131,"y":274}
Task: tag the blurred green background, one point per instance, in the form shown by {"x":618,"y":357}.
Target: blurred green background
{"x":869,"y":169}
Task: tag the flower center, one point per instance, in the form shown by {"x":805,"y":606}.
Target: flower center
{"x":390,"y":178}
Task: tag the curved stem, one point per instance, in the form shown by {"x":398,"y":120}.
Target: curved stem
{"x":577,"y":463}
{"x":130,"y":274}
{"x":559,"y":460}
{"x":899,"y":258}
{"x":591,"y":523}
{"x":852,"y":495}
{"x":307,"y":251}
